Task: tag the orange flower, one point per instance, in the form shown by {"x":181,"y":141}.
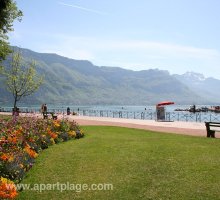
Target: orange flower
{"x":7,"y":189}
{"x":31,"y":152}
{"x":31,"y":140}
{"x":18,"y":132}
{"x":4,"y":157}
{"x":12,"y":140}
{"x":3,"y":140}
{"x":52,"y":134}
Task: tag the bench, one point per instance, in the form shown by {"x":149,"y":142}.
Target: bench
{"x":211,"y":133}
{"x":45,"y":115}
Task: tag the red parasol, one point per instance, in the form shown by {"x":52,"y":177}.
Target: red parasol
{"x":164,"y":103}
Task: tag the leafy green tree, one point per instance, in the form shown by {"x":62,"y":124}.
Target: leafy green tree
{"x":21,"y":80}
{"x":8,"y":13}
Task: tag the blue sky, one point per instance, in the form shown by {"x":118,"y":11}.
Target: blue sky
{"x":173,"y":35}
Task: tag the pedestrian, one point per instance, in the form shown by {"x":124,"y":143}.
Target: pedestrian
{"x":42,"y":108}
{"x":45,"y":108}
{"x":68,"y":111}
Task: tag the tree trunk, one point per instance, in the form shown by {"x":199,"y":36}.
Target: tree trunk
{"x":15,"y":101}
{"x":15,"y":110}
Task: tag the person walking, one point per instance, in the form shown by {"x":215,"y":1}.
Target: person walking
{"x":45,"y":108}
{"x":42,"y":108}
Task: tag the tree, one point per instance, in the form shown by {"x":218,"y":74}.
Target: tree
{"x":21,"y":80}
{"x":8,"y":13}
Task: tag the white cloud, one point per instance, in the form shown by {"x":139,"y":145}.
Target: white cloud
{"x":80,"y":54}
{"x":140,"y":55}
{"x":83,"y":8}
{"x":139,"y":51}
{"x":131,"y":54}
{"x":165,"y":49}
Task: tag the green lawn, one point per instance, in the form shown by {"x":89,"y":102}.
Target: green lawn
{"x":140,"y":164}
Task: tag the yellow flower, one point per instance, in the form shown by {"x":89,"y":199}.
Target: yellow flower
{"x":4,"y":180}
{"x":72,"y":133}
{"x":21,"y":166}
{"x":52,"y":140}
{"x":11,"y":158}
{"x":56,"y":124}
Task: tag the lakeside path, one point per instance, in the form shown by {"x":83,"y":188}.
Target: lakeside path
{"x":184,"y":128}
{"x":177,"y":127}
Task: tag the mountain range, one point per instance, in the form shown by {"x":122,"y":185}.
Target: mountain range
{"x":206,"y":88}
{"x":79,"y":82}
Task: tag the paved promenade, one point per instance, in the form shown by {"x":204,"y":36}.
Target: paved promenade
{"x":186,"y":128}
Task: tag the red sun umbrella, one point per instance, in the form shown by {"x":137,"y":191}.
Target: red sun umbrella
{"x":164,"y":103}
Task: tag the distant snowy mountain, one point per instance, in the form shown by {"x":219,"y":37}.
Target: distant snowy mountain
{"x":207,"y":88}
{"x":193,"y":76}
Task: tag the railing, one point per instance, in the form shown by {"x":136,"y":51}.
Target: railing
{"x":193,"y":117}
{"x":143,"y":115}
{"x":118,"y":114}
{"x":170,"y":116}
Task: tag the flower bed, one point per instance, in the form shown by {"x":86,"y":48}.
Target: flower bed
{"x":21,"y":140}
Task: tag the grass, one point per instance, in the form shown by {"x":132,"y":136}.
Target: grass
{"x":140,"y":164}
{"x":5,"y":116}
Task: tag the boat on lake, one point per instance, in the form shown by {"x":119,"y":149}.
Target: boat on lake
{"x":215,"y":109}
{"x":194,"y":109}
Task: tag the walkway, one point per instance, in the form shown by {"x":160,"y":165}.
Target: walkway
{"x":185,"y":128}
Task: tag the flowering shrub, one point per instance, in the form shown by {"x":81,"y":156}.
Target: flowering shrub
{"x":21,"y":140}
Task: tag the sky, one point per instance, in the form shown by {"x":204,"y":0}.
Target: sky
{"x":173,"y":35}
